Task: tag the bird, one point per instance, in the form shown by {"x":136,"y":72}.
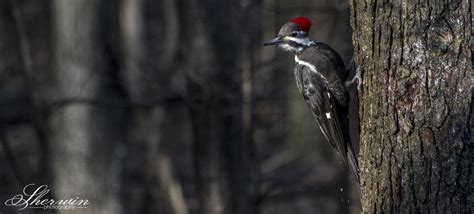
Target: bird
{"x":320,"y":77}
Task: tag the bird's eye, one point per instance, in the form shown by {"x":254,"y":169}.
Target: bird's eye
{"x":294,"y":34}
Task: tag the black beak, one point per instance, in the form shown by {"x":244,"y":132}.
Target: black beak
{"x":275,"y":41}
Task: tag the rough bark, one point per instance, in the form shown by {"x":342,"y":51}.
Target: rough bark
{"x":416,"y":150}
{"x":81,"y":134}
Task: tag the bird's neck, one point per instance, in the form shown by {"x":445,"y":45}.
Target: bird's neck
{"x":302,"y":44}
{"x":302,"y":47}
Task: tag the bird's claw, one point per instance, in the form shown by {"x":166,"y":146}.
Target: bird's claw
{"x":357,"y":77}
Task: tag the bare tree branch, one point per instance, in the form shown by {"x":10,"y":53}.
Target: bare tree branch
{"x":171,"y":186}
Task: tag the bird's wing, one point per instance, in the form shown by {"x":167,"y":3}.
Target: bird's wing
{"x":324,"y":106}
{"x":320,"y":74}
{"x":328,"y":113}
{"x":328,"y":63}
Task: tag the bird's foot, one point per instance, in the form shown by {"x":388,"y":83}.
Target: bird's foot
{"x":357,"y":78}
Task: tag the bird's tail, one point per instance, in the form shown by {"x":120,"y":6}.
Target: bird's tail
{"x":351,"y":69}
{"x":353,"y":166}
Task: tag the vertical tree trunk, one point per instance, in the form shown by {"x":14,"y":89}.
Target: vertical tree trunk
{"x":215,"y":108}
{"x":151,"y":185}
{"x":416,"y":153}
{"x":215,"y":90}
{"x":81,"y":132}
{"x":32,"y":91}
{"x":250,"y":28}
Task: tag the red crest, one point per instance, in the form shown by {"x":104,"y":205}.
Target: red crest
{"x":303,"y":23}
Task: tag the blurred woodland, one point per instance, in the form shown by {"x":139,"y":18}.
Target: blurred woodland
{"x":165,"y":106}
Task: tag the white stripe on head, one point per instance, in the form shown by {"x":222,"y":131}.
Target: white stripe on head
{"x":290,"y":48}
{"x":302,"y":41}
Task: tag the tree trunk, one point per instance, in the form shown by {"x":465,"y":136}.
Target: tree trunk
{"x":215,"y":91}
{"x":416,"y":150}
{"x":151,"y":185}
{"x":249,"y":49}
{"x":82,"y":133}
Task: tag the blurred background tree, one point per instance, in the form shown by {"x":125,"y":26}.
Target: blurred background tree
{"x":166,"y":106}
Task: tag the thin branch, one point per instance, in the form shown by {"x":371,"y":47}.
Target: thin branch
{"x":171,"y":185}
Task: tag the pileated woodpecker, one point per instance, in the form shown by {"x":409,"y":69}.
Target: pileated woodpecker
{"x":320,"y":76}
